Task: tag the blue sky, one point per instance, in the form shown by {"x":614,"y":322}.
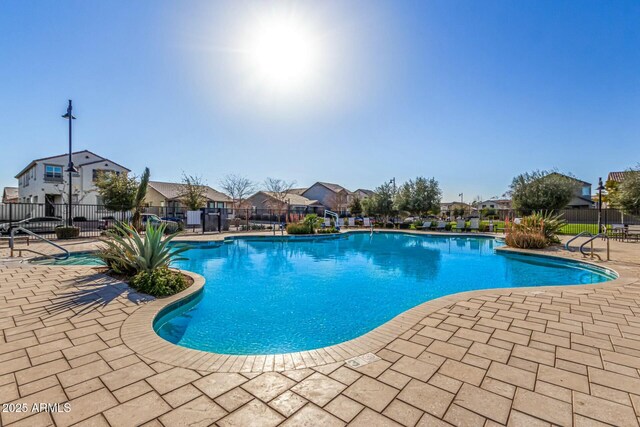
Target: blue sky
{"x":469,"y":92}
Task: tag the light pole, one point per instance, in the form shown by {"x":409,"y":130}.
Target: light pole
{"x":600,"y":188}
{"x":70,"y":168}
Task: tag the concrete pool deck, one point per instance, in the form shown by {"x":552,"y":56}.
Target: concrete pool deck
{"x":532,"y":356}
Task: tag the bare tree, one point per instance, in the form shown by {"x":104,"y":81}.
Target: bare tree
{"x":238,"y":188}
{"x":193,"y":193}
{"x":279,"y":189}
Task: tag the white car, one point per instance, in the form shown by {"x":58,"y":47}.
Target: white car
{"x":44,"y":224}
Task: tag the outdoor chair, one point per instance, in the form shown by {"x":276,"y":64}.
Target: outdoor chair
{"x":460,"y":225}
{"x":441,"y":226}
{"x":366,"y":222}
{"x":633,"y":232}
{"x":474,"y":224}
{"x":352,"y":222}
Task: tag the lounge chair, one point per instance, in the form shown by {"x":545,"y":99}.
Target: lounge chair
{"x":340,"y":222}
{"x":460,"y":225}
{"x":441,"y":226}
{"x":474,"y":224}
{"x":352,"y":222}
{"x":366,"y":222}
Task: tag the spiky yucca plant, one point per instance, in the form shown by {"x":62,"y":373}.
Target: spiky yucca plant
{"x":127,"y":252}
{"x":546,"y":222}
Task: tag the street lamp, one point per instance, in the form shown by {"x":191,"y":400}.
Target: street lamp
{"x":600,"y":188}
{"x":70,"y":168}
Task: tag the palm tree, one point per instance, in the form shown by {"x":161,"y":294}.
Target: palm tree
{"x":141,"y":193}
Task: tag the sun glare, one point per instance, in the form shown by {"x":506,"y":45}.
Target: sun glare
{"x":282,"y":52}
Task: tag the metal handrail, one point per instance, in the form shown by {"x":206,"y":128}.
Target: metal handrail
{"x":583,"y":233}
{"x":31,"y":233}
{"x":591,"y":253}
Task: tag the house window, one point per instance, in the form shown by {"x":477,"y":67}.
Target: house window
{"x":221,"y":204}
{"x":586,"y":191}
{"x":53,"y":173}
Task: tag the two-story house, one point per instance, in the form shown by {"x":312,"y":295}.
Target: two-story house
{"x":45,"y":181}
{"x":582,"y":196}
{"x":332,"y":196}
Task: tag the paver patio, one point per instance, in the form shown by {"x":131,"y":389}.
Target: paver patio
{"x":537,"y":356}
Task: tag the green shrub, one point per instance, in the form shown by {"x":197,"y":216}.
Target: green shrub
{"x":160,"y":282}
{"x":64,"y":232}
{"x":312,"y":221}
{"x":447,"y":226}
{"x":299,"y":228}
{"x":128,"y":253}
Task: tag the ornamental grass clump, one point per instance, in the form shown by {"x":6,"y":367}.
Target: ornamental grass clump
{"x":536,"y":231}
{"x":144,"y":259}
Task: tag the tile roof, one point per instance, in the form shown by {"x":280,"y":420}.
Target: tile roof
{"x":617,"y":176}
{"x":333,"y":187}
{"x":172,"y":191}
{"x":365,"y":191}
{"x":298,"y":191}
{"x":296,"y":199}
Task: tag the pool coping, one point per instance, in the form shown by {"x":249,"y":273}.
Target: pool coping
{"x":137,"y":331}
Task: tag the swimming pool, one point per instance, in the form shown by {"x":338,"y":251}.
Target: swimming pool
{"x":265,"y":296}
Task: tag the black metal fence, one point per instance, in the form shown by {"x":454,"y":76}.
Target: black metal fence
{"x":93,"y":220}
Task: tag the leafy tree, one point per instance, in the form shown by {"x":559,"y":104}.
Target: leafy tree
{"x":138,"y":201}
{"x":238,"y":188}
{"x":627,"y":196}
{"x":542,"y":190}
{"x":382,"y":203}
{"x":419,"y":197}
{"x":118,"y":191}
{"x":611,"y":188}
{"x":193,"y":193}
{"x":356,"y":206}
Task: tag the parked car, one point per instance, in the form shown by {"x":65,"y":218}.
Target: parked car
{"x":44,"y":224}
{"x":172,"y":218}
{"x":155,"y":220}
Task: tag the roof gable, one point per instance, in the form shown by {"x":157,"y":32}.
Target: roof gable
{"x":570,"y":177}
{"x":36,"y":161}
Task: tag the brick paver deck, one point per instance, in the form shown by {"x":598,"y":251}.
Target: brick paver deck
{"x":538,"y":356}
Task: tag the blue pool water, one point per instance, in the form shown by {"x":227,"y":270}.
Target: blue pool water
{"x":265,"y":297}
